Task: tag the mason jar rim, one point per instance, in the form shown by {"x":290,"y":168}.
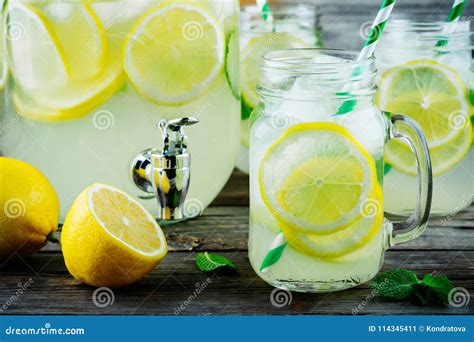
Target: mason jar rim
{"x":283,"y":8}
{"x":354,"y":77}
{"x":427,"y":32}
{"x":286,"y":60}
{"x":282,"y":13}
{"x":436,"y":27}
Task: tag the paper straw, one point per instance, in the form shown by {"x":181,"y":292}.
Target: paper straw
{"x":453,"y":17}
{"x":266,"y":14}
{"x":369,"y":47}
{"x":280,"y":243}
{"x":377,"y":29}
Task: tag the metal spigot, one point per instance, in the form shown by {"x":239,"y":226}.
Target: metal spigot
{"x":166,"y":173}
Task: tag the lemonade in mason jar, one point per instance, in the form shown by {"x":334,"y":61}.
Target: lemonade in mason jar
{"x":288,"y":26}
{"x":90,"y":80}
{"x":316,"y":172}
{"x":425,"y":73}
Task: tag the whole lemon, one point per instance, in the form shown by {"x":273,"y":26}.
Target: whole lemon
{"x":109,"y":239}
{"x":29,"y":209}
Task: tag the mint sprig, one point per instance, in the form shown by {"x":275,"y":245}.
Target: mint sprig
{"x":207,"y":262}
{"x":401,"y":284}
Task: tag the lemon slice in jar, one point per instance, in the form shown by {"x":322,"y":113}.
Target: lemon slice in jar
{"x":345,"y":241}
{"x":316,"y":177}
{"x":437,"y":98}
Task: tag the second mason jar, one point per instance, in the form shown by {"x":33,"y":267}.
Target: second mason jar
{"x":425,"y":73}
{"x":287,"y":26}
{"x":317,"y":144}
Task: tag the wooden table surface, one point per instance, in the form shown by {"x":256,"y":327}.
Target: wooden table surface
{"x":172,"y":288}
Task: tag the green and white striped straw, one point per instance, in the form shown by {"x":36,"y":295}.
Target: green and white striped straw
{"x":266,"y":14}
{"x":376,"y":29}
{"x":456,"y":10}
{"x":280,"y":243}
{"x":453,"y":17}
{"x":369,"y":47}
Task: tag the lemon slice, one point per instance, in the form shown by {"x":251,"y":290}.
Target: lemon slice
{"x":429,"y":92}
{"x":174,"y":53}
{"x":81,"y":35}
{"x":443,"y":158}
{"x":35,"y":56}
{"x":437,"y":98}
{"x":3,"y":64}
{"x":126,"y":220}
{"x":345,"y":241}
{"x":315,"y":177}
{"x":59,"y":61}
{"x":251,"y":59}
{"x":3,"y":74}
{"x":72,"y":103}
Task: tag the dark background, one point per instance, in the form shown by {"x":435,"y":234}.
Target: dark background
{"x":341,"y":20}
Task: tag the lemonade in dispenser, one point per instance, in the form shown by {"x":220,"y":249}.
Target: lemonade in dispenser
{"x":90,"y":81}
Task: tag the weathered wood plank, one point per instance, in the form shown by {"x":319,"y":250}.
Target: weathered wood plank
{"x":446,"y":246}
{"x":226,"y":228}
{"x":173,"y":284}
{"x":235,"y":192}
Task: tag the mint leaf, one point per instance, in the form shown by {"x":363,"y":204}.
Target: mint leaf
{"x":420,"y":294}
{"x":400,"y":284}
{"x":207,"y":262}
{"x":395,"y":284}
{"x":437,"y":288}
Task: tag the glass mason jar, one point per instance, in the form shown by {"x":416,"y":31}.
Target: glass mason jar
{"x":316,"y":172}
{"x":290,"y":26}
{"x":90,"y":80}
{"x":425,"y":73}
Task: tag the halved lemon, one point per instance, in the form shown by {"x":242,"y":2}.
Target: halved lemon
{"x":109,"y":239}
{"x":251,"y":59}
{"x":437,"y":98}
{"x":315,"y":177}
{"x":174,"y":53}
{"x":345,"y":241}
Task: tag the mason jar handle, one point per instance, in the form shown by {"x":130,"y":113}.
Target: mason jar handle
{"x":406,"y":129}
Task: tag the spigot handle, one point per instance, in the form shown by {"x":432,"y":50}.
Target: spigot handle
{"x":175,"y":140}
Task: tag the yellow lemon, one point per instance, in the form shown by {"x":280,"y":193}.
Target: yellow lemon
{"x":109,"y":239}
{"x":315,"y":178}
{"x":61,"y":62}
{"x":437,"y":98}
{"x":345,"y":241}
{"x":29,"y":209}
{"x":184,"y":46}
